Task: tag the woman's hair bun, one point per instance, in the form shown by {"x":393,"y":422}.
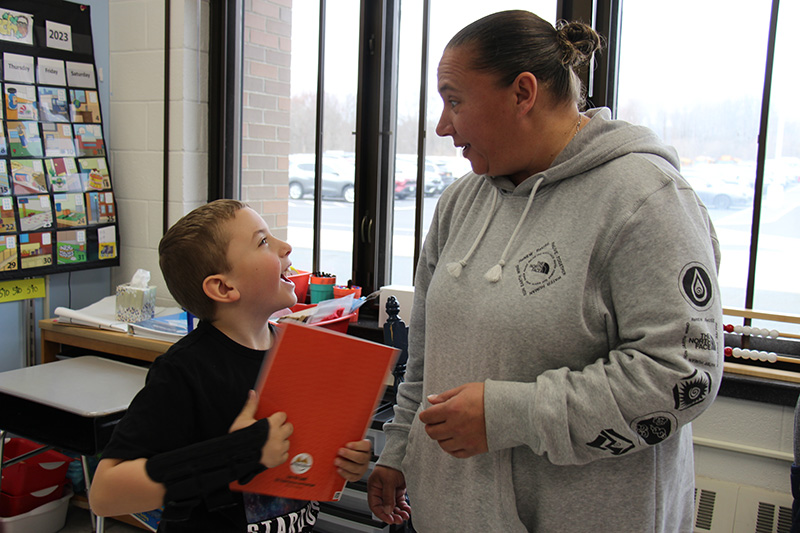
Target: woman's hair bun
{"x":578,"y":42}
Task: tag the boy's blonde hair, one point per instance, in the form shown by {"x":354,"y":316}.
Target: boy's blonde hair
{"x":193,"y":249}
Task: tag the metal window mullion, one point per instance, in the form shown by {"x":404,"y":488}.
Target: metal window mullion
{"x":761,"y":157}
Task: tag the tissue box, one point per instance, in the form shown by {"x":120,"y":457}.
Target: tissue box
{"x":135,"y":304}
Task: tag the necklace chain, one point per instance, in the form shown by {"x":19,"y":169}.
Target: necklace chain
{"x":578,"y":125}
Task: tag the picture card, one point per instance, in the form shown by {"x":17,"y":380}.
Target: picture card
{"x":107,"y":242}
{"x":51,"y":71}
{"x":24,"y":139}
{"x":18,"y":27}
{"x":70,"y":210}
{"x":27,"y":176}
{"x":100,"y":207}
{"x":53,"y":105}
{"x":95,"y":174}
{"x":5,"y":186}
{"x":20,"y":102}
{"x":58,"y":139}
{"x":36,"y":249}
{"x":8,"y":253}
{"x":63,"y":175}
{"x":89,"y":140}
{"x":34,"y":212}
{"x":84,"y":106}
{"x":8,"y":223}
{"x":71,"y":247}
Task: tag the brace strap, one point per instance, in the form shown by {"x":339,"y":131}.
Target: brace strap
{"x":202,"y":471}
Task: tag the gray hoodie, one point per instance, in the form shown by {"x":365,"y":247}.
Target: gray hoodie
{"x":586,"y":300}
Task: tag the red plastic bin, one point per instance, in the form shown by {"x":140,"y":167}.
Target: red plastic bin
{"x":41,"y":471}
{"x":339,"y":324}
{"x":300,"y":281}
{"x":17,"y":505}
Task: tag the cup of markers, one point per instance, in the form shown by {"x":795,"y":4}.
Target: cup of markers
{"x":321,"y":286}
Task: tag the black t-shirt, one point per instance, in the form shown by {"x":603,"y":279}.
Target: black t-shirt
{"x":193,"y":393}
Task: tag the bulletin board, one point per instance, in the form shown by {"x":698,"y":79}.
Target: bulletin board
{"x":57,"y":207}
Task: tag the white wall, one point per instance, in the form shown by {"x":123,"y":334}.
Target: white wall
{"x":137,"y":56}
{"x":763,"y":435}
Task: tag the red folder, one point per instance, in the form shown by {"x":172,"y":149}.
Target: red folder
{"x":329,"y":385}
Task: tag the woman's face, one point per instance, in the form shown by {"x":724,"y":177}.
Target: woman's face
{"x":478,"y":114}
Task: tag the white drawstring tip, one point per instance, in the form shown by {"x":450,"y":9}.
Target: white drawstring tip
{"x":494,"y":274}
{"x":454,"y":269}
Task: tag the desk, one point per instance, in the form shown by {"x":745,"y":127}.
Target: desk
{"x":72,"y":404}
{"x":54,"y":335}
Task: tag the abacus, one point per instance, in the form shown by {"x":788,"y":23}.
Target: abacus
{"x":746,"y":353}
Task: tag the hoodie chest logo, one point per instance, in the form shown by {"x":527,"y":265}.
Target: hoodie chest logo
{"x":539,"y":269}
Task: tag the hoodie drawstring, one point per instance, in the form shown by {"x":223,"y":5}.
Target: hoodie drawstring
{"x":496,"y":272}
{"x":455,"y":268}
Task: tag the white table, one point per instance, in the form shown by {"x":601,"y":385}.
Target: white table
{"x":72,"y":404}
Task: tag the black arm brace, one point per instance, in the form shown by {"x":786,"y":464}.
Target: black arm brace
{"x":203,"y":471}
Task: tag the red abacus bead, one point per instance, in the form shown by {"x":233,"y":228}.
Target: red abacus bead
{"x":728,"y":352}
{"x":728,"y":328}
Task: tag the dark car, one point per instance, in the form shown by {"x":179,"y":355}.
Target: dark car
{"x":337,"y":179}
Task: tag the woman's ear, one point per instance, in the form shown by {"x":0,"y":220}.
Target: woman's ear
{"x":218,"y":288}
{"x":526,"y":89}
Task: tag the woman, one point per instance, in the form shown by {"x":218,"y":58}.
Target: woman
{"x":567,"y":320}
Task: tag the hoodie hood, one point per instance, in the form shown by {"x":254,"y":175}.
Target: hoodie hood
{"x":600,"y":141}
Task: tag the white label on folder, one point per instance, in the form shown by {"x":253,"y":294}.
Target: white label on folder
{"x":78,"y":200}
{"x":18,"y":67}
{"x":109,"y":197}
{"x":92,"y":97}
{"x":11,"y":242}
{"x":81,"y":235}
{"x":80,"y":74}
{"x":59,"y":35}
{"x":7,"y":205}
{"x":51,"y":71}
{"x":66,"y":130}
{"x":44,"y":201}
{"x":45,"y":239}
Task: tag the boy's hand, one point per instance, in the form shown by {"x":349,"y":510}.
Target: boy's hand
{"x":353,"y":459}
{"x":276,"y":449}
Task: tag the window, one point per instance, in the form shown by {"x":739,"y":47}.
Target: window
{"x":707,"y":103}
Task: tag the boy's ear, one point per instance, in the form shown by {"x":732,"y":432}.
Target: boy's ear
{"x":218,"y":289}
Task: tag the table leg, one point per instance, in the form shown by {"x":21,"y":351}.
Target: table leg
{"x":98,"y":522}
{"x":2,"y":449}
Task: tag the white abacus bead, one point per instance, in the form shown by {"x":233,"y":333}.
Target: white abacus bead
{"x":761,"y":332}
{"x":772,"y":357}
{"x":737,"y":352}
{"x":774,"y":333}
{"x":762,"y":356}
{"x":737,"y":329}
{"x":747,"y":330}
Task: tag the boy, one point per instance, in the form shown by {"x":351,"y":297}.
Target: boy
{"x":185,"y":436}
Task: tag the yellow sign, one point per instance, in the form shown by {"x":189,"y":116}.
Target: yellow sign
{"x":21,"y":289}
